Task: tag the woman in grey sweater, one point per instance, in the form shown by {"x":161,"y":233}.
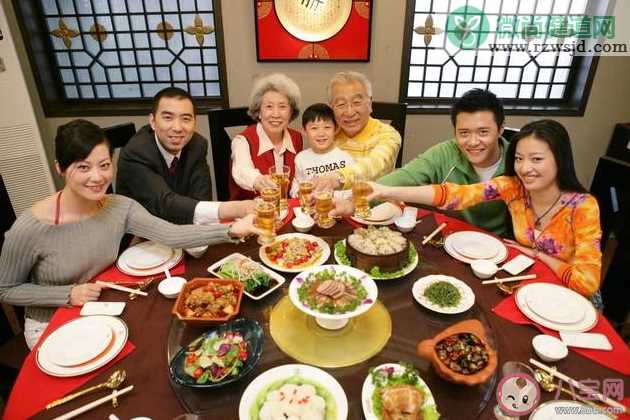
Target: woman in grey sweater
{"x":54,"y":248}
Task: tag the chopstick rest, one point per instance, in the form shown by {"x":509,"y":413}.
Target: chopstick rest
{"x":122,"y":288}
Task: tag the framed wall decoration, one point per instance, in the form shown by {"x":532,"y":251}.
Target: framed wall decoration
{"x":313,"y":30}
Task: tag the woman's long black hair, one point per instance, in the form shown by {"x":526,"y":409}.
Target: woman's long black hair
{"x":556,"y":136}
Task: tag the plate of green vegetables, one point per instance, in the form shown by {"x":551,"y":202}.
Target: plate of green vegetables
{"x":443,"y":294}
{"x":259,"y":281}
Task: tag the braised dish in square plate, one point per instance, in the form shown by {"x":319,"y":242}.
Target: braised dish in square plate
{"x":205,"y":301}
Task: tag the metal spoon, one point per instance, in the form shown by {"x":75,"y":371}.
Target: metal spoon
{"x":548,"y":385}
{"x":113,"y":382}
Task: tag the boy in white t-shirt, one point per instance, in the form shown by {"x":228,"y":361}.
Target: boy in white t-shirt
{"x":323,"y":157}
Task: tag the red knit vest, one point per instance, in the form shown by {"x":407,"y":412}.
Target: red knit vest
{"x":264,"y":161}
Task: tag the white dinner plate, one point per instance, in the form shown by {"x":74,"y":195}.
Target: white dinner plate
{"x":552,"y":293}
{"x":285,"y":372}
{"x":384,"y":214}
{"x":475,"y":245}
{"x":467,"y":295}
{"x":500,"y":256}
{"x":564,"y":309}
{"x":122,"y":265}
{"x":78,"y":341}
{"x":566,"y":410}
{"x":146,"y":255}
{"x":366,"y":282}
{"x":120,"y":334}
{"x":368,"y":390}
{"x":321,"y":260}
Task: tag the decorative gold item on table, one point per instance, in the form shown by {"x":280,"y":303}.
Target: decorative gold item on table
{"x":280,"y":175}
{"x":143,"y":286}
{"x":305,"y":194}
{"x":323,"y":206}
{"x":266,"y":220}
{"x":298,"y":335}
{"x":113,"y":382}
{"x":313,"y":20}
{"x":360,"y":190}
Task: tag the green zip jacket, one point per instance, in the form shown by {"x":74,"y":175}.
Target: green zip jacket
{"x":432,"y":167}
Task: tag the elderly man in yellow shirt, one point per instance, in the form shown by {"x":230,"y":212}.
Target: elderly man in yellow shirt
{"x":374,"y":145}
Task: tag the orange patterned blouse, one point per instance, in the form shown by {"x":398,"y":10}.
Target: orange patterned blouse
{"x":572,"y":235}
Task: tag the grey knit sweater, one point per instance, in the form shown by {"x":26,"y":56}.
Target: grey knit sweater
{"x":40,"y":262}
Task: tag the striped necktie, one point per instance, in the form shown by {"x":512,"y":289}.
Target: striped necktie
{"x":173,"y":168}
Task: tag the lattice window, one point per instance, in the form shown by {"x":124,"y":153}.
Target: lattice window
{"x":125,"y":50}
{"x":442,"y":61}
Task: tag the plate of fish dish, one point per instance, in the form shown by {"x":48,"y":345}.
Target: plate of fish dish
{"x":396,"y":391}
{"x":333,"y":293}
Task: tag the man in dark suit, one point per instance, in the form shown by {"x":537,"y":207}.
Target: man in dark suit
{"x":164,"y":167}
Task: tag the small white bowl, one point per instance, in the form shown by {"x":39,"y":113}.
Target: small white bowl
{"x":405,"y":224}
{"x":303,"y":223}
{"x":484,"y":269}
{"x":549,"y":348}
{"x":170,"y":287}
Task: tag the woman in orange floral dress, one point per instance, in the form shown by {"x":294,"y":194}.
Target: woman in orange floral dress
{"x":554,"y":218}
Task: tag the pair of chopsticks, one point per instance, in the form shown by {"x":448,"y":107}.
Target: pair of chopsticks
{"x":115,"y":394}
{"x":122,"y":288}
{"x":432,"y":234}
{"x":509,"y":279}
{"x":590,"y":391}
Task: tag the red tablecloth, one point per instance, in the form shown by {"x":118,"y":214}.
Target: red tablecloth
{"x":34,"y":389}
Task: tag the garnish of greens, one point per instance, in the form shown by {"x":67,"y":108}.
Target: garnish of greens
{"x":390,"y":376}
{"x":253,"y":278}
{"x":443,"y":293}
{"x":215,"y":357}
{"x":313,"y":301}
{"x":375,"y":272}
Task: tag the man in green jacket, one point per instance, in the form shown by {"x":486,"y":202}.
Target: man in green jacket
{"x":476,"y":154}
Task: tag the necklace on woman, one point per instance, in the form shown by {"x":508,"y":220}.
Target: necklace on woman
{"x":538,"y":221}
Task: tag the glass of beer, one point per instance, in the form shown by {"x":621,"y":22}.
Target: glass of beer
{"x":305,"y":193}
{"x":360,"y":190}
{"x":265,"y":221}
{"x":323,"y":206}
{"x":280,"y":175}
{"x":272,"y":195}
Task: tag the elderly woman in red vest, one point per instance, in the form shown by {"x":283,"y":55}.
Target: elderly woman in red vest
{"x":274,"y":103}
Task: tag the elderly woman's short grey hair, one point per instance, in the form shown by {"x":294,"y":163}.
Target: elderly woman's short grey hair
{"x":276,"y":82}
{"x":346,"y":77}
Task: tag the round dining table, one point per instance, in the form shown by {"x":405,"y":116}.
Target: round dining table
{"x":158,"y":335}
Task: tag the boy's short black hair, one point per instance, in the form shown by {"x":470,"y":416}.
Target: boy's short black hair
{"x":316,"y":112}
{"x":476,"y":100}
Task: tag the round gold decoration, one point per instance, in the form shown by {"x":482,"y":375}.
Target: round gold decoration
{"x":298,"y":335}
{"x":313,"y":52}
{"x":313,"y":20}
{"x":263,"y":8}
{"x":164,"y":30}
{"x":362,"y":8}
{"x":98,"y":32}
